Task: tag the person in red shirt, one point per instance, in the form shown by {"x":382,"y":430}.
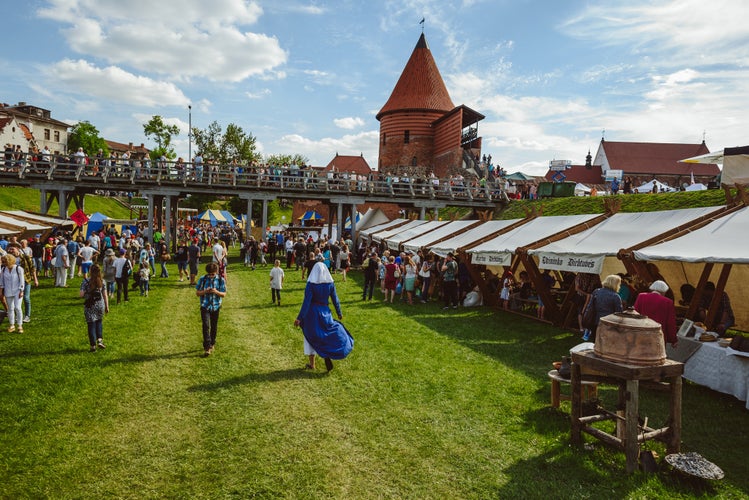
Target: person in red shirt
{"x":659,"y":308}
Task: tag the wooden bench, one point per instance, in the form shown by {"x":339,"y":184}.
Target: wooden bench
{"x":590,"y":388}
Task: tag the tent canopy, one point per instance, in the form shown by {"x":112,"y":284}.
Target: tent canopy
{"x":387,"y":233}
{"x":310,"y":215}
{"x":373,"y":217}
{"x":499,"y":251}
{"x":394,"y":241}
{"x":696,"y":187}
{"x":215,"y":217}
{"x":648,"y":187}
{"x":586,"y":251}
{"x":459,"y":241}
{"x":454,"y":227}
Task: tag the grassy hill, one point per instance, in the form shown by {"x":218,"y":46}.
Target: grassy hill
{"x":629,"y":203}
{"x":15,"y":198}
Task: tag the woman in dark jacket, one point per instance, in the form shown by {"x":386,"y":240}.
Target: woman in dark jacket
{"x":605,"y":300}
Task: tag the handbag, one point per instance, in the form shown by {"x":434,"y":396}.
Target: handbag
{"x":165,"y":256}
{"x":590,"y":315}
{"x":396,"y":273}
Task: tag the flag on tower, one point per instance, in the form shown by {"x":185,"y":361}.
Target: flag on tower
{"x":422,"y":21}
{"x":692,"y":175}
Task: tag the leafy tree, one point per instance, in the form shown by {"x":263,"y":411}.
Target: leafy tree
{"x":281,"y":159}
{"x":162,"y":134}
{"x":86,"y":136}
{"x":232,"y":144}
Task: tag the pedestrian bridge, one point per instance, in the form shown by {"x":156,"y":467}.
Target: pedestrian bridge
{"x":165,"y":183}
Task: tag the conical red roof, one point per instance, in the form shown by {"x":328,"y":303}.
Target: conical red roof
{"x":420,"y":86}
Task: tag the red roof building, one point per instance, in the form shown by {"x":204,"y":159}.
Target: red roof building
{"x":421,"y":130}
{"x":643,"y":162}
{"x":351,"y":164}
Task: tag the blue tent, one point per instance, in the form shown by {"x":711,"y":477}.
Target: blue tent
{"x":95,"y":223}
{"x":215,"y":217}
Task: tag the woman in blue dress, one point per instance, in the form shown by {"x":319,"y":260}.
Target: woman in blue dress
{"x":323,"y":335}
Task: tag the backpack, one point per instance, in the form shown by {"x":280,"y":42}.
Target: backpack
{"x":93,"y":295}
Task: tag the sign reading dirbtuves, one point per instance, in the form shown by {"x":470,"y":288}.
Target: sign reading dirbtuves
{"x":573,"y":263}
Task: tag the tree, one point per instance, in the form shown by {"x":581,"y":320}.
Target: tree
{"x":233,"y":144}
{"x":283,"y":159}
{"x":86,"y":136}
{"x":162,"y":134}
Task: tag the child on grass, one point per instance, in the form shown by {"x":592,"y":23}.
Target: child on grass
{"x":276,"y":281}
{"x":144,"y":273}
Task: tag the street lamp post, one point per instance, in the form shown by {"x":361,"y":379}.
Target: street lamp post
{"x":189,"y":133}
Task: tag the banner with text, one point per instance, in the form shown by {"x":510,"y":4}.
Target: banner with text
{"x":574,"y":263}
{"x":492,"y":258}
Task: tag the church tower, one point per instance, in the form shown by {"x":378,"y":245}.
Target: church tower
{"x":421,"y":130}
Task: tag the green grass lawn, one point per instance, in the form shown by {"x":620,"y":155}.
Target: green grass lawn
{"x":430,"y":404}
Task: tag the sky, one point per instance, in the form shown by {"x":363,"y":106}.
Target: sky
{"x":308,"y":76}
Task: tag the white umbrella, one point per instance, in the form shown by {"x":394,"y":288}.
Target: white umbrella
{"x":709,"y":158}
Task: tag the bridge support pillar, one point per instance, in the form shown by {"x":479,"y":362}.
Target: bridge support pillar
{"x":265,"y":217}
{"x":62,"y":203}
{"x":248,"y":224}
{"x":168,"y":226}
{"x":353,"y":228}
{"x":150,"y":198}
{"x":339,"y":221}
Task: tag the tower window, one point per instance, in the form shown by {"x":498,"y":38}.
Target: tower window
{"x":384,"y":137}
{"x":406,"y":137}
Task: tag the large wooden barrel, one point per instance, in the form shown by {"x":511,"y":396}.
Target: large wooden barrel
{"x":630,"y":338}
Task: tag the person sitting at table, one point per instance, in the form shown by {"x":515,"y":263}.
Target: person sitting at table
{"x":687,"y":293}
{"x":724,"y":318}
{"x":656,"y":306}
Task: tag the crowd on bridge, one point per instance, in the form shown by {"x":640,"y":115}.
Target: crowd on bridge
{"x":132,"y":167}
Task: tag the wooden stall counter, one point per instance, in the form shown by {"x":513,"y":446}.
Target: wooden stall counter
{"x":627,"y":377}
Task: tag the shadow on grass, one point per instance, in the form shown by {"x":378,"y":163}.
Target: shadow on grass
{"x":250,"y":378}
{"x":29,"y":354}
{"x":144,"y":358}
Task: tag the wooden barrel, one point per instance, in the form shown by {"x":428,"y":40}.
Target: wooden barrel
{"x":630,"y":338}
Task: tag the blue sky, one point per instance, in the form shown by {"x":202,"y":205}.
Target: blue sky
{"x":309,"y":77}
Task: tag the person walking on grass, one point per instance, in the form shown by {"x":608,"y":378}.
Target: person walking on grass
{"x":29,"y":276}
{"x":276,"y":282}
{"x":122,"y":270}
{"x":211,"y":289}
{"x":144,"y":273}
{"x":95,"y":306}
{"x":11,"y":291}
{"x":449,"y":282}
{"x":323,"y":336}
{"x":193,"y":259}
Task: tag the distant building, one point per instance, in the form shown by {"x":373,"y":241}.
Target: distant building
{"x":38,"y":126}
{"x":118,"y":148}
{"x":643,"y":162}
{"x":15,"y":134}
{"x":421,"y":130}
{"x":348,"y":164}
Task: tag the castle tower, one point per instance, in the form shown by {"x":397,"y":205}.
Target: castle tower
{"x":420,"y":127}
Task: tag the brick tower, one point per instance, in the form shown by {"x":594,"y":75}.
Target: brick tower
{"x":421,"y":130}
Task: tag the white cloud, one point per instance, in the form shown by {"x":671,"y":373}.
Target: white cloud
{"x":349,"y":122}
{"x":115,"y":84}
{"x":190,"y":38}
{"x":259,"y":94}
{"x":321,"y":151}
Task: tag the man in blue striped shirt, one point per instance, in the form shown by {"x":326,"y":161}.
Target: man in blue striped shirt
{"x":211,"y":289}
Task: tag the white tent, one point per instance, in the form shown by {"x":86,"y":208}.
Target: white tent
{"x":451,"y":228}
{"x":367,"y":233}
{"x":722,"y":241}
{"x":472,"y":235}
{"x":648,"y":187}
{"x":581,"y":189}
{"x":499,"y":250}
{"x":387,"y":233}
{"x":394,"y":241}
{"x":587,"y":251}
{"x":696,"y":187}
{"x":373,"y":217}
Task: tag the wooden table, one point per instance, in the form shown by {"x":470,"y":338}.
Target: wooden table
{"x":590,"y":388}
{"x":628,"y":377}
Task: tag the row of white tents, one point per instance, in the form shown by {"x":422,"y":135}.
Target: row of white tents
{"x":24,"y":225}
{"x":687,"y":246}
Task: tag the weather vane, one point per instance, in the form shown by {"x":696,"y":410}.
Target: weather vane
{"x":422,"y":25}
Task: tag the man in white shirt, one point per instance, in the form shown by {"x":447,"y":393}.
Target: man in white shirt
{"x":218,"y":251}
